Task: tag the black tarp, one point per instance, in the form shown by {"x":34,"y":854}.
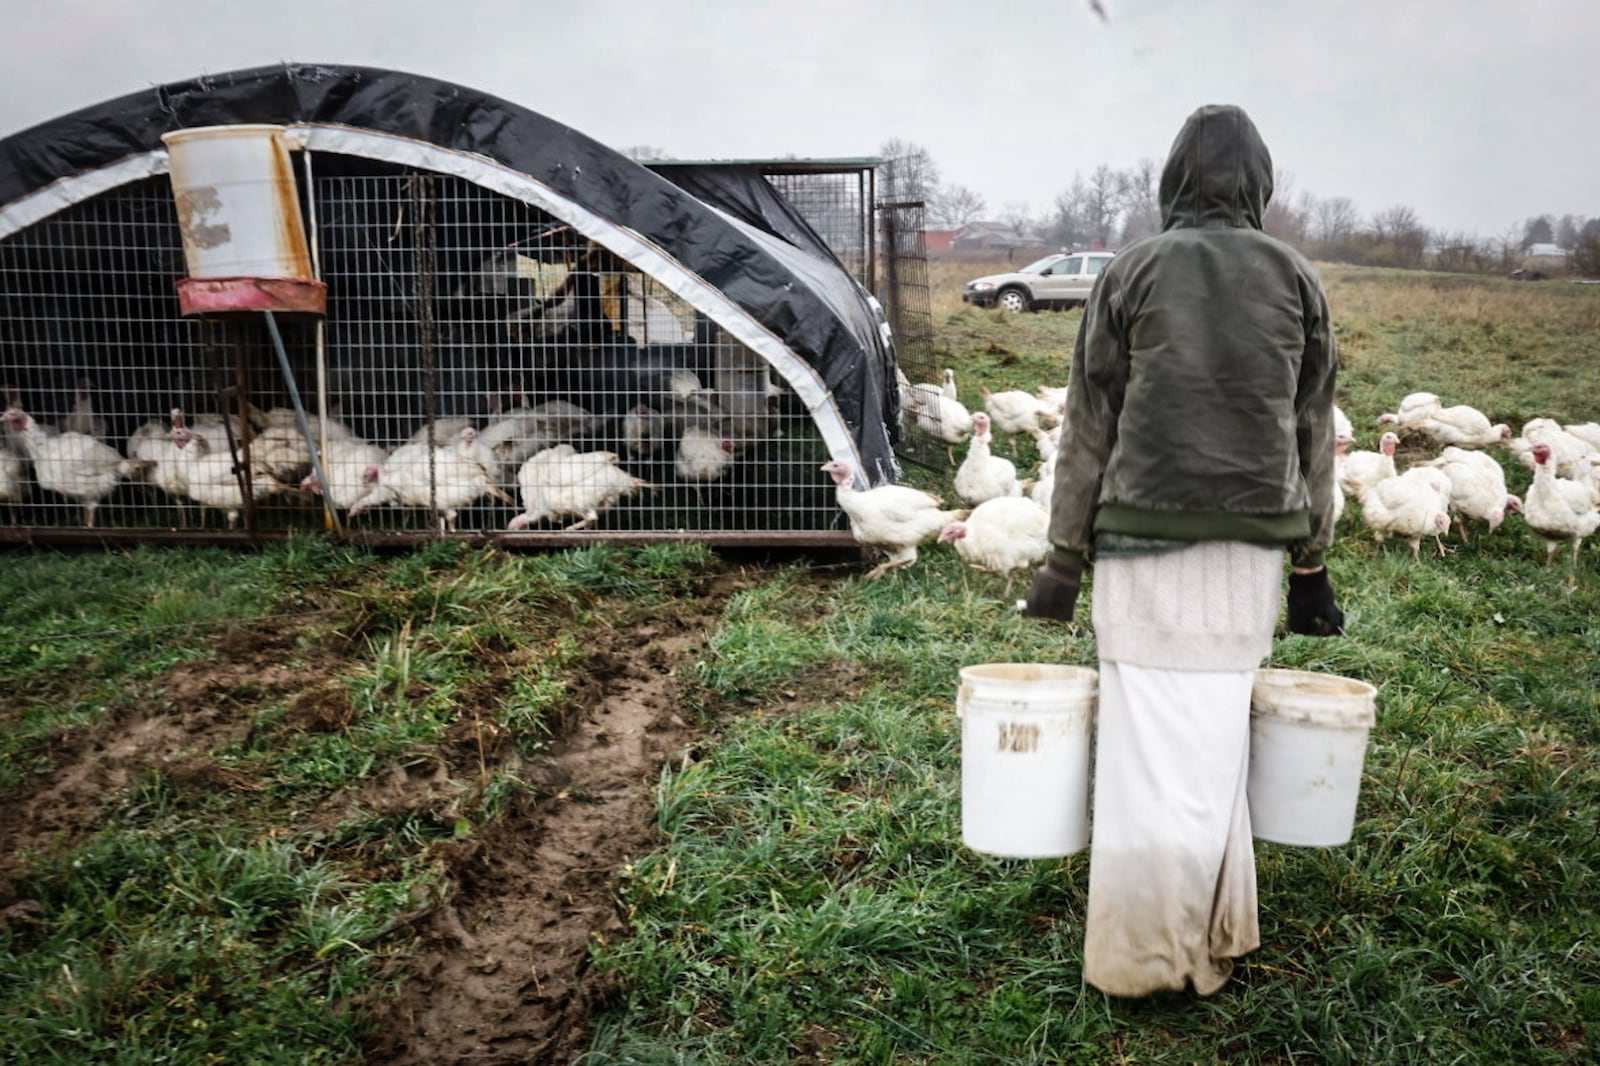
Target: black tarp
{"x":768,"y":262}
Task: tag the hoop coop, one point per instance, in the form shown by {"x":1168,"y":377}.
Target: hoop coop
{"x":525,"y":336}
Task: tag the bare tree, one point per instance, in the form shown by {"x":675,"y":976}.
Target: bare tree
{"x":1282,"y":219}
{"x":1103,"y":204}
{"x":1400,"y":239}
{"x":1069,"y":223}
{"x":1333,"y":221}
{"x":1460,"y":252}
{"x":955,"y":205}
{"x":643,"y":153}
{"x":1141,"y":200}
{"x":1509,"y":245}
{"x":910,"y":173}
{"x":1019,"y":218}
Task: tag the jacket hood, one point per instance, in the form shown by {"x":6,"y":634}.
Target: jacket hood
{"x":1218,"y":172}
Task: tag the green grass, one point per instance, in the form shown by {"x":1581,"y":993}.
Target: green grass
{"x":816,"y":893}
{"x":204,"y":917}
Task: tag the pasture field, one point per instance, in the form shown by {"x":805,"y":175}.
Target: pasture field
{"x":665,"y":805}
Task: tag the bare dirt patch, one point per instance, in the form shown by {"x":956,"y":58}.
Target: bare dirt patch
{"x":188,"y":712}
{"x":497,"y":970}
{"x":501,"y":971}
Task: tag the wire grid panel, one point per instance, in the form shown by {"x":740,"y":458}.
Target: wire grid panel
{"x":837,"y":207}
{"x":589,"y":396}
{"x":467,"y":336}
{"x":903,"y":267}
{"x":94,"y":353}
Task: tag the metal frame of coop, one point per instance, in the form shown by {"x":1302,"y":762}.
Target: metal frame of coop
{"x":458,"y":293}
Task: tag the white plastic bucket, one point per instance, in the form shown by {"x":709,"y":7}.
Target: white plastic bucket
{"x":1025,"y":742}
{"x":238,"y":204}
{"x":1308,"y":741}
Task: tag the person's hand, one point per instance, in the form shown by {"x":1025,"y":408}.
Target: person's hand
{"x":1313,"y":610}
{"x":1054,"y":594}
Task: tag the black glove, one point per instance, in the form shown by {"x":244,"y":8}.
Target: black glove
{"x":1054,"y":594}
{"x":1312,"y":608}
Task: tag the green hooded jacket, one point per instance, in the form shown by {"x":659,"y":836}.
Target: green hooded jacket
{"x":1201,"y":394}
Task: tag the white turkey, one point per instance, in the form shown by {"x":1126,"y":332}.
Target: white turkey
{"x":440,"y":431}
{"x":82,"y":417}
{"x":1360,"y":470}
{"x":1341,"y":447}
{"x":439,"y":478}
{"x":1409,"y":508}
{"x":1046,"y":441}
{"x":468,"y":445}
{"x":1004,"y":535}
{"x":1588,"y":432}
{"x":1571,"y":454}
{"x":703,"y":455}
{"x":562,"y":482}
{"x":161,"y":464}
{"x":644,"y":430}
{"x":10,"y":476}
{"x":346,"y":462}
{"x":1414,"y":407}
{"x":516,"y":434}
{"x":1044,"y":483}
{"x":286,"y":417}
{"x":1015,"y":411}
{"x":151,"y":440}
{"x":683,"y":394}
{"x":205,"y":469}
{"x":1053,"y":396}
{"x":1557,"y":509}
{"x":74,"y":465}
{"x":280,"y":449}
{"x":914,"y":397}
{"x":275,"y":455}
{"x":1342,"y":429}
{"x":1461,"y":426}
{"x":893,"y":519}
{"x":1477,"y":487}
{"x":1439,"y":482}
{"x":945,"y":419}
{"x":983,"y":475}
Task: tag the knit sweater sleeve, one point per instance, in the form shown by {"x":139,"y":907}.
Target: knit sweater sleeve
{"x":1096,"y":387}
{"x":1314,"y":401}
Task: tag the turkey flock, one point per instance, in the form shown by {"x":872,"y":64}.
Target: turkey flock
{"x":1000,"y":526}
{"x":1464,"y":484}
{"x":998,"y":522}
{"x":447,"y":465}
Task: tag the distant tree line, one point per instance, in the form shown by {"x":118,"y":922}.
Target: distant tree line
{"x":1112,"y":207}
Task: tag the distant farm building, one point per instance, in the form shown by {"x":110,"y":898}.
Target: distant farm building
{"x":1545,"y":258}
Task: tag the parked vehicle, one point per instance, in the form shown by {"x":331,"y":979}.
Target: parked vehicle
{"x":1056,"y":281}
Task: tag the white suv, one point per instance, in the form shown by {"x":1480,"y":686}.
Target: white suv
{"x":1061,"y":280}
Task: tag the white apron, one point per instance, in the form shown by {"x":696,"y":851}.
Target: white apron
{"x":1172,"y":875}
{"x":1172,"y":880}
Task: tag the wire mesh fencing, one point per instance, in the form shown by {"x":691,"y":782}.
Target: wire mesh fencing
{"x":926,"y":428}
{"x":482,"y":368}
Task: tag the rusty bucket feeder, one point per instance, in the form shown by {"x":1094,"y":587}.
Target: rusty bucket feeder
{"x":243,"y":239}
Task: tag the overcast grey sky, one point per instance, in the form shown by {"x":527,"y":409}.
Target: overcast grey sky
{"x":1475,"y":114}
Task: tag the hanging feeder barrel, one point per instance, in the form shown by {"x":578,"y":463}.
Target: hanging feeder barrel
{"x":238,"y":211}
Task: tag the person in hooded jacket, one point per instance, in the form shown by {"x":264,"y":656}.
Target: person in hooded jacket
{"x":1197,"y":451}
